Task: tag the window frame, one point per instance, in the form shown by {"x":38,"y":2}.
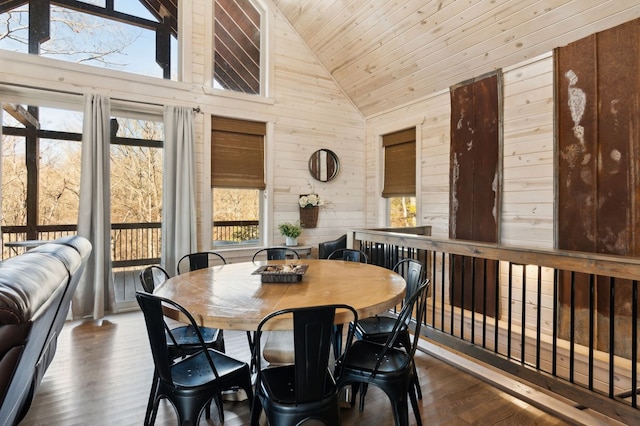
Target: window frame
{"x":267,"y":47}
{"x":249,"y":128}
{"x":395,"y":138}
{"x":166,"y":37}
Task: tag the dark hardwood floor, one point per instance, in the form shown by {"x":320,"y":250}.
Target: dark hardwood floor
{"x":102,"y":372}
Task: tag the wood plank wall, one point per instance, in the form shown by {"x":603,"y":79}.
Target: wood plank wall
{"x":527,"y":205}
{"x":308,"y":111}
{"x":305,"y":112}
{"x":528,"y":187}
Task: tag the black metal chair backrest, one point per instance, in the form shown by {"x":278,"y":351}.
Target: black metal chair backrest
{"x":312,"y":330}
{"x":349,"y":255}
{"x":152,"y":276}
{"x":411,"y":270}
{"x":276,"y":253}
{"x":416,"y":304}
{"x":199,"y":260}
{"x":151,"y":306}
{"x":325,"y":248}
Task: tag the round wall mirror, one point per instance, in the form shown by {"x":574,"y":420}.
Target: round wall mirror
{"x":324,"y":165}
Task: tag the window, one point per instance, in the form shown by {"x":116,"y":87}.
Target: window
{"x":40,"y":172}
{"x":400,"y":177}
{"x":41,"y":163}
{"x":237,"y":46}
{"x":237,"y":180}
{"x":131,"y":36}
{"x":136,"y":191}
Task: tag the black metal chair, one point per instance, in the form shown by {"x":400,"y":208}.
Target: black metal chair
{"x":181,"y":339}
{"x":378,"y":328}
{"x":389,"y":366}
{"x":199,"y":260}
{"x":275,"y":253}
{"x":190,"y":382}
{"x":325,"y":248}
{"x":270,"y":253}
{"x":350,"y":255}
{"x":305,"y":390}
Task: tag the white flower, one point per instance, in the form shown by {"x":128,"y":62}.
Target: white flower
{"x":310,"y":200}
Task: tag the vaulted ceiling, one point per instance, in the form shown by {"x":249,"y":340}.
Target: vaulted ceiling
{"x":388,"y":53}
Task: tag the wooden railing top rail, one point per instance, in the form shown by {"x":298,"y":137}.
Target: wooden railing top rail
{"x":590,"y":263}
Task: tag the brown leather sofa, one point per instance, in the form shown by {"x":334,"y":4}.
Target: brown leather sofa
{"x":35,"y":295}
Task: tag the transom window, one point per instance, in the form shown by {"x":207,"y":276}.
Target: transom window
{"x":137,"y":36}
{"x":237,"y":46}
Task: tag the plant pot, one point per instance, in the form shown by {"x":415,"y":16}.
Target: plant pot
{"x":308,"y":217}
{"x":290,"y":241}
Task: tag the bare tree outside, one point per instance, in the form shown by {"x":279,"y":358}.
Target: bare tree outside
{"x":84,"y":38}
{"x":14,"y":181}
{"x":136,"y":174}
{"x":402,"y":212}
{"x":235,"y":205}
{"x":59,"y":182}
{"x":136,"y":171}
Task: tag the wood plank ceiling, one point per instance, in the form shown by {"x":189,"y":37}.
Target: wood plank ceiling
{"x":388,"y":53}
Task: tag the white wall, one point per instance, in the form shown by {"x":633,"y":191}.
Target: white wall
{"x":527,"y":196}
{"x":305,"y":112}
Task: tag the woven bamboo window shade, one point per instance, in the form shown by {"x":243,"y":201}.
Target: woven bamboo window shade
{"x":399,"y":164}
{"x":237,"y":153}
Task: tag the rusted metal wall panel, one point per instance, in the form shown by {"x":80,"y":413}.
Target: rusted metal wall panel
{"x":486,"y":174}
{"x":576,"y":117}
{"x":618,"y":52}
{"x":474,"y":200}
{"x":598,"y":86}
{"x":462,"y":162}
{"x":576,"y":112}
{"x":475,"y":134}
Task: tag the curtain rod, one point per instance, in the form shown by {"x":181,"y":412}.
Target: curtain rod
{"x":195,"y":109}
{"x":66,"y":92}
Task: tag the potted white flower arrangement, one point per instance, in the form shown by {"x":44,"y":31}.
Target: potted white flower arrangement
{"x":291,"y":232}
{"x":309,"y":205}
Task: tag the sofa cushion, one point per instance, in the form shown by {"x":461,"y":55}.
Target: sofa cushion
{"x":26,"y":284}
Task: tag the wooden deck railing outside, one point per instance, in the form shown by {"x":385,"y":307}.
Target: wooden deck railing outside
{"x":133,"y":246}
{"x":523,"y":336}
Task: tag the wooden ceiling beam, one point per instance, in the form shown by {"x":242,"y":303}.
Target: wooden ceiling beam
{"x":22,"y":115}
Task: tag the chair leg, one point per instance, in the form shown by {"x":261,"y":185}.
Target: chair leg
{"x":363,"y":392}
{"x":151,"y":407}
{"x":218,"y":399}
{"x":416,"y":382}
{"x":189,"y":408}
{"x":256,"y":410}
{"x":401,"y":411}
{"x":337,"y":340}
{"x":207,"y":411}
{"x":250,"y":340}
{"x":220,"y":341}
{"x":354,"y":390}
{"x":414,"y":405}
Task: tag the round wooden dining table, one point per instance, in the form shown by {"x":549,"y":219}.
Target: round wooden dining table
{"x":232,"y":297}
